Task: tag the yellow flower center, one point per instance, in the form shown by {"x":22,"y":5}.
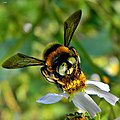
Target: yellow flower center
{"x":78,"y":84}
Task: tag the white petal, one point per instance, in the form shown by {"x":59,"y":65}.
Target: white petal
{"x":117,"y":118}
{"x":93,"y":90}
{"x":85,"y":102}
{"x":51,"y":98}
{"x":101,"y":85}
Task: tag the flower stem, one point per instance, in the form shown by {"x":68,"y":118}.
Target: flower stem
{"x":113,"y":112}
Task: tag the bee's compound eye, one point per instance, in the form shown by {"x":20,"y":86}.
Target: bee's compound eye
{"x":62,"y":69}
{"x":72,"y":60}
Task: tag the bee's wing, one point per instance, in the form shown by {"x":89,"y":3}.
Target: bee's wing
{"x":70,"y":26}
{"x":20,"y":60}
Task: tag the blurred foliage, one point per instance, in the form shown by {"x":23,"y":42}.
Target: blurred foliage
{"x":28,"y":26}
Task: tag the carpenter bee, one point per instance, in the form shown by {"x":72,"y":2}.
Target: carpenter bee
{"x":61,"y":64}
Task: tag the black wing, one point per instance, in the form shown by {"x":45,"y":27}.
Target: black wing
{"x":70,"y":26}
{"x":20,"y":60}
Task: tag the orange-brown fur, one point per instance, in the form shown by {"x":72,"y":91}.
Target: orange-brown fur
{"x":59,"y":50}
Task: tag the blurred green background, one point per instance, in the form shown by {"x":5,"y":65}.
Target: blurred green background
{"x":28,"y":26}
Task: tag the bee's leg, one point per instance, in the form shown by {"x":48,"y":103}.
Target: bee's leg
{"x":46,"y":74}
{"x":59,"y":86}
{"x":76,"y":55}
{"x":73,"y":50}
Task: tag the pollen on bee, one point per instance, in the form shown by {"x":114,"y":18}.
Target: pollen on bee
{"x":78,"y":84}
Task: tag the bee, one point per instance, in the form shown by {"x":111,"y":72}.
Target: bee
{"x":61,"y":64}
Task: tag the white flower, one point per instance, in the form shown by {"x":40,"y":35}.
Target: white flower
{"x":82,"y":100}
{"x":117,"y":118}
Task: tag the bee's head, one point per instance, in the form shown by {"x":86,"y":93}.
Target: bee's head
{"x":59,"y":59}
